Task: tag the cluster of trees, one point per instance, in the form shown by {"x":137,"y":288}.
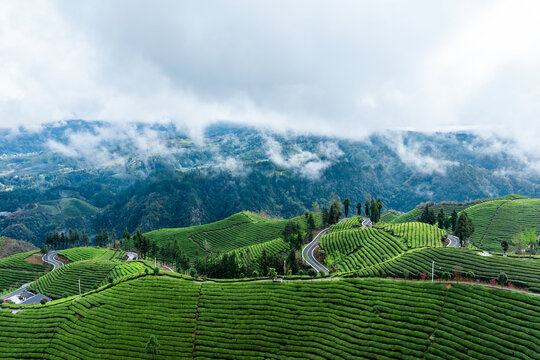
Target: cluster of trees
{"x":333,"y":215}
{"x":63,"y":240}
{"x":526,"y":242}
{"x":461,"y":225}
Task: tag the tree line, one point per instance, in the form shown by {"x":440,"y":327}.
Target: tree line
{"x":461,"y":225}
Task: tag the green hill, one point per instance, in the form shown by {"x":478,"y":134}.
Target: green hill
{"x":64,"y":281}
{"x":233,"y":233}
{"x":447,"y":206}
{"x":33,"y":223}
{"x":348,"y":246}
{"x":15,"y":270}
{"x":10,"y":247}
{"x":503,"y":219}
{"x":342,"y":319}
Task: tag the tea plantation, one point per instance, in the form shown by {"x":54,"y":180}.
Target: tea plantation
{"x":237,"y":231}
{"x":89,"y":253}
{"x":64,"y":281}
{"x":460,"y":262}
{"x":15,"y":270}
{"x":340,"y":319}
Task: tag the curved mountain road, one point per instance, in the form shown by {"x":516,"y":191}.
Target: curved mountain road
{"x":49,"y":258}
{"x":367,"y":222}
{"x":307,"y":253}
{"x":453,"y":241}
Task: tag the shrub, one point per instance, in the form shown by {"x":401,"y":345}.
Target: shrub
{"x":423,"y":276}
{"x":272,"y":272}
{"x":406,"y":273}
{"x":312,"y":272}
{"x":193,"y":272}
{"x":493,"y":282}
{"x":43,"y":301}
{"x":147,"y":271}
{"x":445,"y":275}
{"x":471,"y":275}
{"x":255,"y":273}
{"x":302,"y":272}
{"x":502,"y":278}
{"x":156,"y":270}
{"x":110,"y":279}
{"x":289,"y":273}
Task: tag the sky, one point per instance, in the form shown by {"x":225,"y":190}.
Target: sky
{"x":340,"y":68}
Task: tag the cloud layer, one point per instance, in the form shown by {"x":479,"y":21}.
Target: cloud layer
{"x":307,"y":66}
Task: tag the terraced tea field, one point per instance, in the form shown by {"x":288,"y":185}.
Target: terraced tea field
{"x":237,"y":231}
{"x":417,"y":234}
{"x":16,"y":271}
{"x":522,"y":272}
{"x":353,"y":223}
{"x":254,"y":252}
{"x":362,"y":319}
{"x":90,"y":253}
{"x":358,"y":248}
{"x":499,"y":220}
{"x":64,"y":281}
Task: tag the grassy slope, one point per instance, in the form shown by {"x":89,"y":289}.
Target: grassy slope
{"x":15,"y":271}
{"x":237,"y":231}
{"x":510,"y":217}
{"x":328,"y":319}
{"x":523,"y":272}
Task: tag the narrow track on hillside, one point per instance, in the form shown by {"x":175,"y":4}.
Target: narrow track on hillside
{"x":436,"y":327}
{"x":196,"y":322}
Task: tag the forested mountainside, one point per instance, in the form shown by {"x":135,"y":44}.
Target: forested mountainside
{"x":90,"y":175}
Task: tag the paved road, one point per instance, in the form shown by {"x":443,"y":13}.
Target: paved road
{"x":307,"y":253}
{"x":367,"y":222}
{"x":132,"y":255}
{"x":49,"y":258}
{"x":454,"y":241}
{"x":20,"y":291}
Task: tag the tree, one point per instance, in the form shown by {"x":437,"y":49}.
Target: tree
{"x":272,"y":272}
{"x":310,"y":224}
{"x":504,"y":245}
{"x":453,"y":219}
{"x":44,"y":249}
{"x":325,"y":216}
{"x":428,"y":216}
{"x":464,"y":228}
{"x":126,"y":234}
{"x":293,"y":263}
{"x":359,"y":208}
{"x":440,"y":218}
{"x":347,"y":204}
{"x":152,"y":346}
{"x":367,"y":206}
{"x":335,"y":212}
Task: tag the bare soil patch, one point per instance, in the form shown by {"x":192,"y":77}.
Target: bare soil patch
{"x":35,"y":259}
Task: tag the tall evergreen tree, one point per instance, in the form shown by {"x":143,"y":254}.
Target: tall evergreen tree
{"x":453,"y":219}
{"x":367,"y":205}
{"x":464,"y":228}
{"x":359,"y":208}
{"x":325,"y":216}
{"x":441,"y":217}
{"x":347,"y":204}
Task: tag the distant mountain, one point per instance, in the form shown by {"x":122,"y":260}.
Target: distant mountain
{"x":153,"y":176}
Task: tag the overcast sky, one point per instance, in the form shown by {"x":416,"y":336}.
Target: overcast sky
{"x":342,"y":68}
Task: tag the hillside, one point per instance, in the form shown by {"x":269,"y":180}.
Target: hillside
{"x":237,"y":232}
{"x":447,"y":206}
{"x":34,"y":222}
{"x":327,"y":319}
{"x":348,"y":246}
{"x":91,"y":253}
{"x":460,"y":263}
{"x":504,"y":219}
{"x":11,"y":246}
{"x":16,"y":270}
{"x":64,"y":281}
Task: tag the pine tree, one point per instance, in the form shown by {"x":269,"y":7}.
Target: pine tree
{"x":453,"y":219}
{"x":464,"y":228}
{"x":346,"y":204}
{"x":367,"y":207}
{"x":359,"y":208}
{"x":440,"y":218}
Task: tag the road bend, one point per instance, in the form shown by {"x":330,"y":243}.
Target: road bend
{"x":307,"y":253}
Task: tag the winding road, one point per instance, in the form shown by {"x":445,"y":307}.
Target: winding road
{"x":453,"y":241}
{"x":49,"y":258}
{"x":307,"y":253}
{"x":31,"y":298}
{"x":367,"y":222}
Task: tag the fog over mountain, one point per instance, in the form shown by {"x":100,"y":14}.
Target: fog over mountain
{"x":408,"y":102}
